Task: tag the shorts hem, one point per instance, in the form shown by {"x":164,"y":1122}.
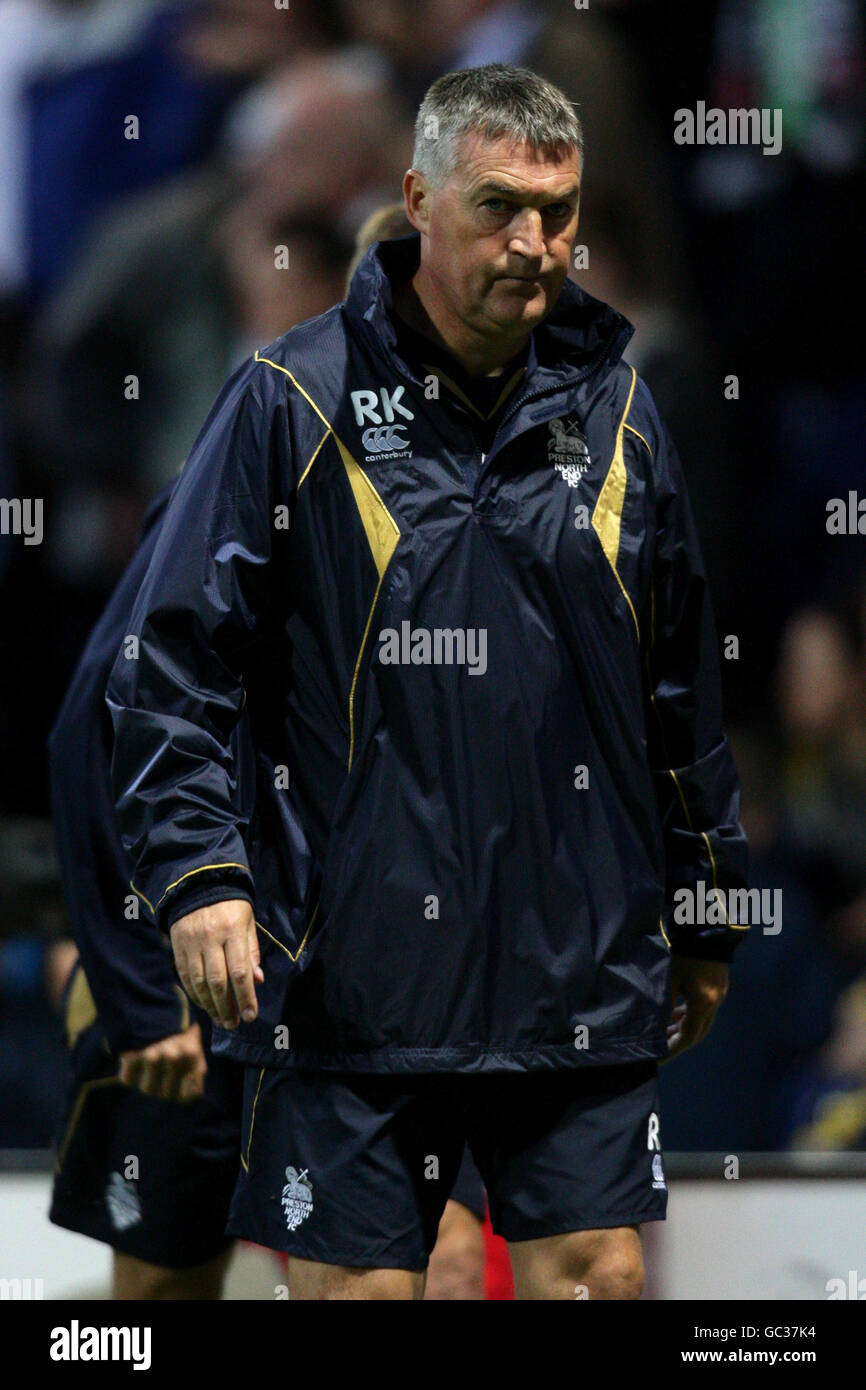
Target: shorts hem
{"x":564,"y":1228}
{"x":71,"y":1219}
{"x":343,"y":1258}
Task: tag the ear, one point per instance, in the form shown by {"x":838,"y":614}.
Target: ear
{"x":416,"y":197}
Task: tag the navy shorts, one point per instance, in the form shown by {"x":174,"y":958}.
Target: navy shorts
{"x":151,"y":1178}
{"x":355,"y":1169}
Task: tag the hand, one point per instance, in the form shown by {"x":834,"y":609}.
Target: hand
{"x":216,"y":951}
{"x":702,"y":985}
{"x":172,"y":1069}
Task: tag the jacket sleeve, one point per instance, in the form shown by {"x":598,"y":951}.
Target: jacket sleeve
{"x":125,"y":961}
{"x":176,"y":689}
{"x":696,"y":784}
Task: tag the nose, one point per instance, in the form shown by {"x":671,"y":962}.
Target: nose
{"x":527,"y":238}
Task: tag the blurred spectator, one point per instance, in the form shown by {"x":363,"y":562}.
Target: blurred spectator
{"x":329,"y":137}
{"x":822,"y":1101}
{"x":246,"y":39}
{"x":821,"y":713}
{"x":74,"y":76}
{"x":827,"y":1098}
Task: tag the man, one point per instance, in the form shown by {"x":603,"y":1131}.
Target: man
{"x":443,"y":528}
{"x":148,"y":1149}
{"x":149,"y":1177}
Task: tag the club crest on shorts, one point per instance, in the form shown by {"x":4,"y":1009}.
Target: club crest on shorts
{"x":567,"y":450}
{"x":658,"y":1172}
{"x":297,"y":1200}
{"x":123,"y":1202}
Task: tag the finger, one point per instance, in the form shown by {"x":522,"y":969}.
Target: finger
{"x":130,"y":1070}
{"x":157,"y":1076}
{"x":676,"y":1045}
{"x":192,"y":1085}
{"x":240,"y":964}
{"x":199,"y":989}
{"x":256,"y":954}
{"x":145,"y":1081}
{"x":193,"y":1067}
{"x":692,"y":1030}
{"x":173,"y":1078}
{"x":183,"y":964}
{"x":219,"y":987}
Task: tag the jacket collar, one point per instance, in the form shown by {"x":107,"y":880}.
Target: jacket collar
{"x":581,"y":336}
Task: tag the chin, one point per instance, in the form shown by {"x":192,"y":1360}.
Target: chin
{"x":525,"y":315}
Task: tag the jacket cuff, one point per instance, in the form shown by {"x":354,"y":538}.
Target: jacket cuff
{"x":162,"y":1022}
{"x":194,"y":894}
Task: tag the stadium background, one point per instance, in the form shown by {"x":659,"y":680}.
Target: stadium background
{"x":154,"y":160}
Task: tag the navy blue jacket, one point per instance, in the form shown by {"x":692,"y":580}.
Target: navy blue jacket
{"x":437,"y":883}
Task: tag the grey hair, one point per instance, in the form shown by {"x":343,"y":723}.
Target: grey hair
{"x":498,"y":101}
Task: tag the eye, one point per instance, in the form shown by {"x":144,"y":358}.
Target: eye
{"x":495,"y":204}
{"x":558,"y":211}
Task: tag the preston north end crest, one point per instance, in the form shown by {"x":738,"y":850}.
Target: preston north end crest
{"x":297,"y":1197}
{"x":123,"y":1202}
{"x":567,"y":450}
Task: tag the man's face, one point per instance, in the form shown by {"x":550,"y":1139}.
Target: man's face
{"x":498,"y":234}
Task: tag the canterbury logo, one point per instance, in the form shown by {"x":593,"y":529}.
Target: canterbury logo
{"x":381,"y":439}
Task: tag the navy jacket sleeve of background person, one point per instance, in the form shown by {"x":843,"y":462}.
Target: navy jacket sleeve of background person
{"x":434,"y":886}
{"x":125,"y":961}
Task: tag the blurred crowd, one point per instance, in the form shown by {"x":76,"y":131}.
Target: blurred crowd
{"x":183,"y":180}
